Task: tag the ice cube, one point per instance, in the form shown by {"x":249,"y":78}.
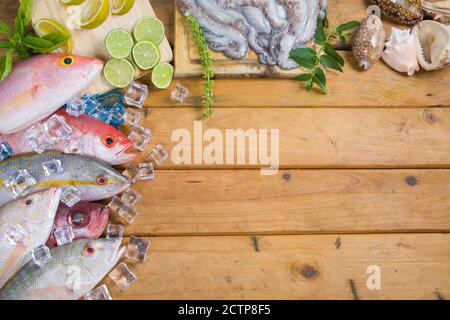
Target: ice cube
{"x":124,"y":210}
{"x":179,"y":93}
{"x":131,"y":172}
{"x":158,"y":154}
{"x":5,"y":151}
{"x":136,"y":94}
{"x":140,"y":137}
{"x":63,"y":235}
{"x":41,"y":255}
{"x":132,"y":117}
{"x":38,"y":138}
{"x":117,"y":114}
{"x":146,"y":171}
{"x":19,"y":183}
{"x":104,"y":115}
{"x":130,"y":197}
{"x":100,"y":293}
{"x":92,"y":106}
{"x":76,"y":107}
{"x":16,"y":234}
{"x":74,"y":146}
{"x":114,"y":231}
{"x":122,"y":276}
{"x":137,"y":249}
{"x":52,"y":167}
{"x":70,"y":196}
{"x":57,"y":128}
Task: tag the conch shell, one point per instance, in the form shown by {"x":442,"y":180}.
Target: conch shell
{"x":438,"y":10}
{"x":433,"y":44}
{"x":368,"y":43}
{"x":400,"y":53}
{"x":403,"y":11}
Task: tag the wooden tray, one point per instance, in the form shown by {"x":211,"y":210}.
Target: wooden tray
{"x":91,"y":42}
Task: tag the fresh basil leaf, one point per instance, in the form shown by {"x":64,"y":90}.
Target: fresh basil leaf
{"x":333,"y":53}
{"x":23,"y":52}
{"x":309,"y":84}
{"x":320,"y":32}
{"x":36,"y":43}
{"x":330,"y":62}
{"x":20,"y":29}
{"x":347,"y":26}
{"x":25,"y":11}
{"x":6,"y":65}
{"x":308,"y":63}
{"x":342,"y":39}
{"x":4,"y":29}
{"x":6,"y":44}
{"x":320,"y":79}
{"x":58,"y":39}
{"x":303,"y":77}
{"x":303,"y":53}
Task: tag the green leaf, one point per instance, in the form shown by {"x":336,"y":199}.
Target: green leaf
{"x":23,"y":52}
{"x":309,"y":84}
{"x":58,"y":39}
{"x":6,"y":44}
{"x":6,"y":65}
{"x":342,"y":39}
{"x":347,"y":26}
{"x":333,"y":53}
{"x":25,"y":10}
{"x":320,"y":79}
{"x":303,"y":53}
{"x":20,"y":29}
{"x":36,"y":43}
{"x":303,"y":77}
{"x":4,"y":29}
{"x":305,"y":61}
{"x":320,"y":32}
{"x":330,"y":62}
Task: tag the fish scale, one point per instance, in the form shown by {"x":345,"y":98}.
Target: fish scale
{"x":80,"y":171}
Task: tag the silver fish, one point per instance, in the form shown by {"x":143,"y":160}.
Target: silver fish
{"x":32,"y":215}
{"x":94,"y":179}
{"x":74,"y":270}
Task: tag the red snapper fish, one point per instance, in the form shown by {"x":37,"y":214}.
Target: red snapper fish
{"x":87,"y":219}
{"x":90,"y":137}
{"x":40,"y":85}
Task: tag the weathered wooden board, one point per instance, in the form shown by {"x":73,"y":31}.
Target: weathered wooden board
{"x":91,"y":42}
{"x":293,"y":202}
{"x":187,"y":60}
{"x":325,"y":137}
{"x":293,"y":267}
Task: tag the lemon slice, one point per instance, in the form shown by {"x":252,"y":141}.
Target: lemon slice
{"x":71,"y":2}
{"x":46,"y":26}
{"x":119,"y":43}
{"x":145,"y":55}
{"x":149,"y":29}
{"x":121,"y":7}
{"x":119,"y":72}
{"x":95,"y":13}
{"x":162,"y":75}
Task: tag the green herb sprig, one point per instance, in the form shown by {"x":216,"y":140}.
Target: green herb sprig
{"x":322,"y":55}
{"x":208,"y":74}
{"x":23,"y":43}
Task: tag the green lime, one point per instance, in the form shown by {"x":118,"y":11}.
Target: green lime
{"x":145,"y":55}
{"x":119,"y":43}
{"x":119,"y":72}
{"x":149,"y":29}
{"x":162,"y":75}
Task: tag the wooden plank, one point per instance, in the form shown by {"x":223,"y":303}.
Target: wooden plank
{"x":91,"y":42}
{"x":293,"y":267}
{"x":293,"y":202}
{"x":323,"y":138}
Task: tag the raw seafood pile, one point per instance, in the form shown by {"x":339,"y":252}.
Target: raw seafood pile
{"x":271,"y":28}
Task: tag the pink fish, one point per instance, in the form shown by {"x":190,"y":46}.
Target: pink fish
{"x":90,"y":137}
{"x":87,"y":219}
{"x":40,"y":85}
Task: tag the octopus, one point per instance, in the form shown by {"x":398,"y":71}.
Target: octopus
{"x":271,"y":28}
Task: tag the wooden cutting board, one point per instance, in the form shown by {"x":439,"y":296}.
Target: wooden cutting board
{"x":91,"y":42}
{"x":187,"y":59}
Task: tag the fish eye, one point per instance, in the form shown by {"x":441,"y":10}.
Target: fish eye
{"x":102,"y":180}
{"x":89,"y":250}
{"x":108,"y":141}
{"x":28,"y":202}
{"x":78,"y":219}
{"x":67,"y":61}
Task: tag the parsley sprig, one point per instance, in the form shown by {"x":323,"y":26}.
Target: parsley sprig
{"x":24,"y":43}
{"x":322,"y":55}
{"x":205,"y":57}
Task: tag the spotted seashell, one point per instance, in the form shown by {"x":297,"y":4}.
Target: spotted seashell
{"x":368,"y":43}
{"x":403,"y":11}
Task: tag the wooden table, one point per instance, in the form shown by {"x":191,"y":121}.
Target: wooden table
{"x":364,"y":180}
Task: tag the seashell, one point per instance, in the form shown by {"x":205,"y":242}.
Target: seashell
{"x":400,"y":53}
{"x":438,"y":10}
{"x":368,"y":43}
{"x":432,"y":44}
{"x":403,"y":11}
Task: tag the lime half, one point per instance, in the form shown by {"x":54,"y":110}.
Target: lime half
{"x":149,"y":29}
{"x":119,"y":72}
{"x":145,"y":55}
{"x":119,"y":43}
{"x":162,"y":75}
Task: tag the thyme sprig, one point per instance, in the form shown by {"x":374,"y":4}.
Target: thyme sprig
{"x":206,"y":62}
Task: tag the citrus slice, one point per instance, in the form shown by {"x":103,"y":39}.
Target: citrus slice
{"x":149,"y":29}
{"x":145,"y":55}
{"x":46,"y":26}
{"x":119,"y":72}
{"x":119,"y":43}
{"x":121,"y":7}
{"x":162,"y":75}
{"x":95,"y":13}
{"x":71,"y":2}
